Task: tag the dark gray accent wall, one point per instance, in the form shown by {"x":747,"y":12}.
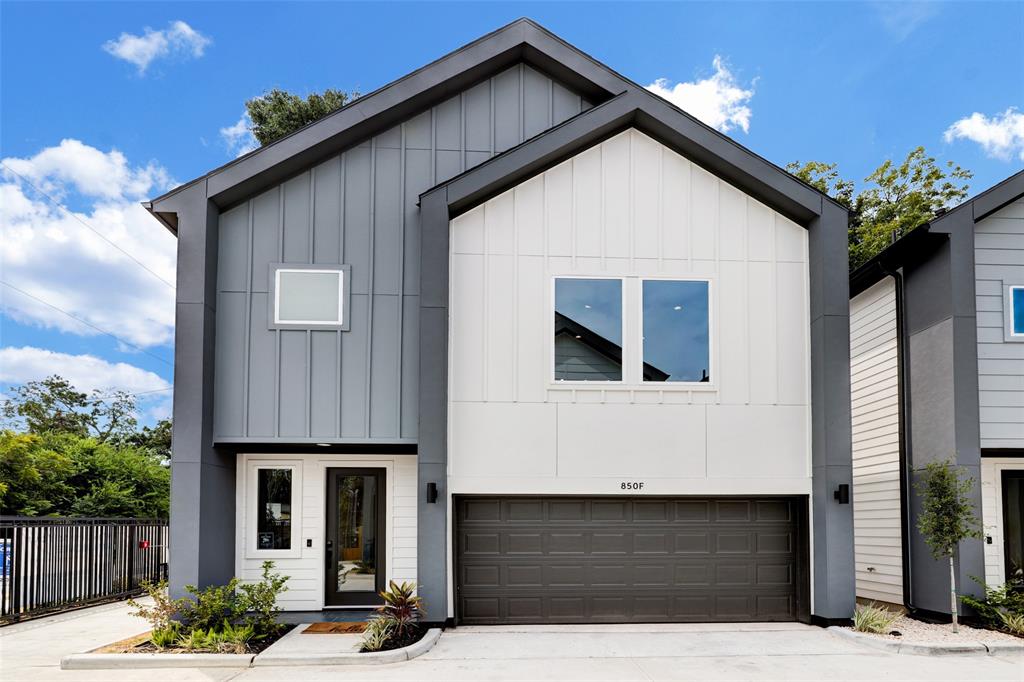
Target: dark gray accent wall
{"x":357,"y":208}
{"x":202,"y":477}
{"x":942,"y":384}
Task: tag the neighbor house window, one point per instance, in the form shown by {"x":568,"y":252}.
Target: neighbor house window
{"x":1016,"y":316}
{"x":309,"y":296}
{"x":273,"y":508}
{"x":676,"y":331}
{"x":588,"y":329}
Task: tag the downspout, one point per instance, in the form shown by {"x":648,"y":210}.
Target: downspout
{"x":902,"y":382}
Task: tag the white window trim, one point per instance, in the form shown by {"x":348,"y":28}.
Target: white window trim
{"x":563,"y":383}
{"x":1009,"y":334}
{"x":712,"y":370}
{"x":340,"y":322}
{"x":252,"y":550}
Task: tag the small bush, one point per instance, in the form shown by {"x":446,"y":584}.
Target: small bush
{"x":377,"y":634}
{"x":211,"y":606}
{"x":1002,"y":607}
{"x":872,"y":618}
{"x":258,"y":601}
{"x":402,"y":608}
{"x":196,"y":639}
{"x":161,"y":614}
{"x":163,"y":638}
{"x":234,"y":639}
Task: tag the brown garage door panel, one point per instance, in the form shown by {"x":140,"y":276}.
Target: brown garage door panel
{"x":536,"y":560}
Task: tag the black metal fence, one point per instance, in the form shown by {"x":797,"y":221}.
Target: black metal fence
{"x":55,"y":564}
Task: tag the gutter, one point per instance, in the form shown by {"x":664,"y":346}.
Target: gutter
{"x":902,"y":382}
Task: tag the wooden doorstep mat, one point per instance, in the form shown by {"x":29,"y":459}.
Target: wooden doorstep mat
{"x":334,"y":628}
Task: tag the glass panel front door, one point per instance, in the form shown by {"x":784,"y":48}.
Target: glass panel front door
{"x":355,"y":536}
{"x":1013,"y":523}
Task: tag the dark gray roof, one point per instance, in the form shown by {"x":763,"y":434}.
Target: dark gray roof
{"x":620,"y":102}
{"x":915,"y":246}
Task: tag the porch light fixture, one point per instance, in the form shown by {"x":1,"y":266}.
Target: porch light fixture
{"x":431,"y":492}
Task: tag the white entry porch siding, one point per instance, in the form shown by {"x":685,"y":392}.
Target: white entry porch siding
{"x":632,"y":208}
{"x":303,"y":565}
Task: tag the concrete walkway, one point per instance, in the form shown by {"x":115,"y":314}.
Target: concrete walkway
{"x":32,"y":651}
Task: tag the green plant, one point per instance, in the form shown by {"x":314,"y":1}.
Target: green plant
{"x":233,"y":639}
{"x":258,"y":601}
{"x":872,"y":618}
{"x":211,"y":606}
{"x":160,"y":615}
{"x":165,"y":637}
{"x":1002,"y":607}
{"x":196,"y":639}
{"x":947,"y":516}
{"x":377,"y":634}
{"x":1014,"y":622}
{"x":402,"y":608}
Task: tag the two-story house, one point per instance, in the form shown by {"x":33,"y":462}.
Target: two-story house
{"x":937,"y":366}
{"x":523,"y":332}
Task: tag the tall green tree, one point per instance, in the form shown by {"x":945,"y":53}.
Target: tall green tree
{"x":53,"y":405}
{"x":896,"y":198}
{"x":947,"y":516}
{"x":277,"y":113}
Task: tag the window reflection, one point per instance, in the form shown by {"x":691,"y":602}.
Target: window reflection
{"x":675,"y":331}
{"x":588,"y":330}
{"x":1017,"y":294}
{"x":274,"y":509}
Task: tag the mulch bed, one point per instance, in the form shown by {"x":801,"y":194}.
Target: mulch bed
{"x":415,"y":635}
{"x":140,"y":644}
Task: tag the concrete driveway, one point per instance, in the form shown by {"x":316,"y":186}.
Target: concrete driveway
{"x":32,"y":651}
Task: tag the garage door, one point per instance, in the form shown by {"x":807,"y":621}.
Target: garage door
{"x":610,"y":559}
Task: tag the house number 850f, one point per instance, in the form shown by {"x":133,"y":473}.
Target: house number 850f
{"x":632,"y":485}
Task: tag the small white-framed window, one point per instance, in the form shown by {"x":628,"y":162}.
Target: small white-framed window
{"x":676,"y":330}
{"x":1015,"y":312}
{"x":273,"y":526}
{"x":588,"y":329}
{"x":309,"y":297}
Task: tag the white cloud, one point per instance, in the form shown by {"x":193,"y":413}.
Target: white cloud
{"x":51,"y":255}
{"x":238,"y":137}
{"x":85,"y":372}
{"x":719,"y":100}
{"x":177,"y":40}
{"x":1001,"y":136}
{"x":89,"y":373}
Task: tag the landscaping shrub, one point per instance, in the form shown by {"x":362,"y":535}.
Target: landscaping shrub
{"x":259,"y":601}
{"x":220,"y":618}
{"x":1003,"y":606}
{"x":397,"y":622}
{"x":872,"y":618}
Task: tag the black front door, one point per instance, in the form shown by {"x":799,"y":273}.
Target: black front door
{"x":1013,"y":523}
{"x":355,"y":537}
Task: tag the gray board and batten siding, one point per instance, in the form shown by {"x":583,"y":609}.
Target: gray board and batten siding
{"x":357,"y":208}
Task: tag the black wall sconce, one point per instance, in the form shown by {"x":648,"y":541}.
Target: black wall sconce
{"x":431,"y":492}
{"x":842,"y":493}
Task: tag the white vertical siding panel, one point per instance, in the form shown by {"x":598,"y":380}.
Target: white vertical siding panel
{"x":628,"y":207}
{"x":999,"y":262}
{"x":586,"y":197}
{"x":874,"y":376}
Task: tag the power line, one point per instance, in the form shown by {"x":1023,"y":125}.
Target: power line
{"x":79,"y":219}
{"x":88,"y":324}
{"x":114,"y":395}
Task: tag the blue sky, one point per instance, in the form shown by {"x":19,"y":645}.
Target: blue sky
{"x":104,"y":104}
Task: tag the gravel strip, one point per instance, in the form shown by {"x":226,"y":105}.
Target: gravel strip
{"x":917,"y":631}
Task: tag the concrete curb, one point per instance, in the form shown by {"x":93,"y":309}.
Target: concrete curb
{"x":928,"y":648}
{"x":371,"y":658}
{"x":138,"y":661}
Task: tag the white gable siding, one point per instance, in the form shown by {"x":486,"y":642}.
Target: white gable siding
{"x":874,"y":380}
{"x":998,"y":263}
{"x":628,"y":207}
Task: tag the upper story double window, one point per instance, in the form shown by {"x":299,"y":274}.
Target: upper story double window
{"x":661,"y":326}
